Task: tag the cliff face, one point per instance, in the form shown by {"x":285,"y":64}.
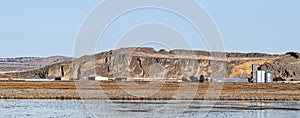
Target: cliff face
{"x":146,"y":62}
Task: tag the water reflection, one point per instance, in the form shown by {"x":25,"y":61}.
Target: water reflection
{"x":139,"y":108}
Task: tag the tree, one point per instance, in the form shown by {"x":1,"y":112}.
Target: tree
{"x":279,"y":79}
{"x":201,"y":78}
{"x":184,"y":79}
{"x":250,"y":80}
{"x":193,"y":79}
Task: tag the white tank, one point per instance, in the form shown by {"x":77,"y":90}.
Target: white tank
{"x":258,"y":78}
{"x":269,"y":77}
{"x":261,"y":76}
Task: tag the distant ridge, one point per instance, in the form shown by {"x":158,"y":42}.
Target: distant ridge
{"x":138,"y":62}
{"x":29,"y":63}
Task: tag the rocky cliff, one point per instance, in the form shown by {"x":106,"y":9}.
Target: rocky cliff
{"x":147,"y":62}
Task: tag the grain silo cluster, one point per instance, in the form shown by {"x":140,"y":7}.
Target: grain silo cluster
{"x":261,"y":76}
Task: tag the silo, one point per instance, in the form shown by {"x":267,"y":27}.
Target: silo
{"x":269,"y":77}
{"x":258,"y":76}
{"x":263,"y":76}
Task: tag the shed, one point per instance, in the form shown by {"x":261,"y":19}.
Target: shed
{"x":120,"y":79}
{"x":39,"y":80}
{"x":62,"y":79}
{"x":98,"y":78}
{"x":230,"y":80}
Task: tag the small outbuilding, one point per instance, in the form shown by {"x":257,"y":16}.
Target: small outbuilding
{"x":98,"y":78}
{"x":230,"y":80}
{"x":62,"y":79}
{"x":38,"y":80}
{"x":120,"y":79}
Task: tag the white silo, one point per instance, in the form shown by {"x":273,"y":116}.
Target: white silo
{"x":258,"y":78}
{"x":269,"y":77}
{"x":261,"y":76}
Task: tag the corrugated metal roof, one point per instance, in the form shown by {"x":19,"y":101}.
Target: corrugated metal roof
{"x":241,"y":80}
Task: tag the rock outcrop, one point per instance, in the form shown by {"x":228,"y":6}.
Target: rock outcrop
{"x":147,"y":62}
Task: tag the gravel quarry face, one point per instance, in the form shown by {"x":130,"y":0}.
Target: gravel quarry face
{"x":115,"y":91}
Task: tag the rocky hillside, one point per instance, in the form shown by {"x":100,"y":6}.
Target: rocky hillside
{"x":28,"y":63}
{"x":146,"y":62}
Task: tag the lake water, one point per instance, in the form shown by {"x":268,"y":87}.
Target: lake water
{"x":139,"y":109}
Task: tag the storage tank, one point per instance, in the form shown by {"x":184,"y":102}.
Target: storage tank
{"x":263,"y":76}
{"x":258,"y":76}
{"x":269,"y":77}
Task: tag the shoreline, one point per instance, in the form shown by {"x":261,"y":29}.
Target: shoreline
{"x":129,"y":91}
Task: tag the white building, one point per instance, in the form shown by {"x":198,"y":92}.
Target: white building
{"x":99,"y":78}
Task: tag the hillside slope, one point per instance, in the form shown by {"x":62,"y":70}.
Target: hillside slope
{"x":28,"y":63}
{"x":146,"y":62}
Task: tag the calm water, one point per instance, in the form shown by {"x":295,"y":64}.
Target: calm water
{"x":138,"y":109}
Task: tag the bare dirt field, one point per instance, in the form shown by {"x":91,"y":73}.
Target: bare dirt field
{"x":148,"y":91}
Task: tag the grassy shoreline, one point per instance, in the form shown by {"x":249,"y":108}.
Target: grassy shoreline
{"x":137,"y":91}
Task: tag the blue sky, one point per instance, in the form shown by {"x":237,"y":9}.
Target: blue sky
{"x":49,"y":27}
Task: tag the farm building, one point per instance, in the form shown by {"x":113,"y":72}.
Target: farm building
{"x":150,"y":79}
{"x":261,"y":76}
{"x":98,"y":78}
{"x":230,"y":80}
{"x":39,"y":80}
{"x":120,"y":79}
{"x":62,"y":79}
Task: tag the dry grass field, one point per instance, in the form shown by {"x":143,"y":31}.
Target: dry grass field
{"x":147,"y":91}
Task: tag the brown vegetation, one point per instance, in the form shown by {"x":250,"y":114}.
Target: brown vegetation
{"x":118,"y":91}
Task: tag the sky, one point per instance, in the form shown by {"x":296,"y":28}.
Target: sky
{"x":49,"y":27}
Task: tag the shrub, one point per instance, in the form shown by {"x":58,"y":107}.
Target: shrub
{"x":185,"y":79}
{"x":201,"y":78}
{"x":279,"y":79}
{"x":193,"y":79}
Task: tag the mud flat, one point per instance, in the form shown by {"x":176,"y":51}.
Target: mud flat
{"x":148,"y":91}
